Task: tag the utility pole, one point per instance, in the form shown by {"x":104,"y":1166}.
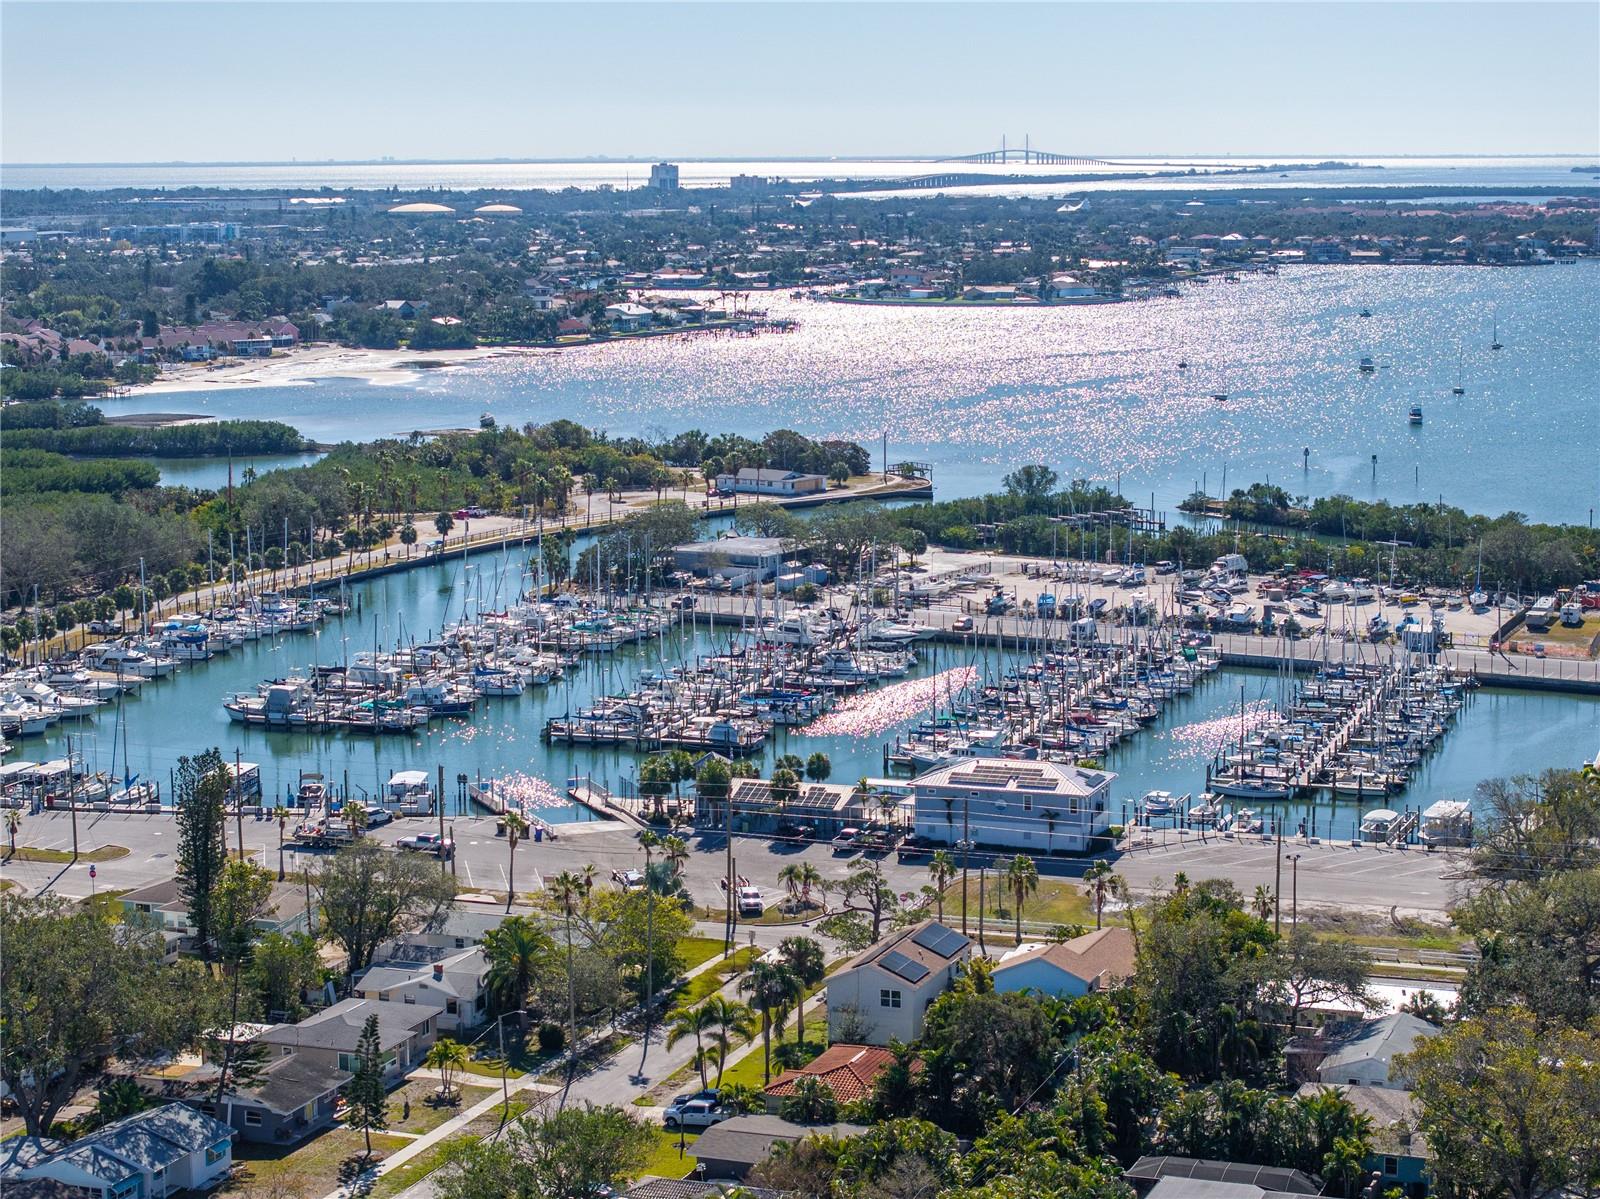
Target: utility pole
{"x":1277,"y":881}
{"x":966,"y":850}
{"x":238,"y":800}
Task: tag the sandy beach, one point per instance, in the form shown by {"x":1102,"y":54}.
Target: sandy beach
{"x":308,"y":364}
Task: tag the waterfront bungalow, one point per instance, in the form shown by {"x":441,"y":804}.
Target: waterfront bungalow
{"x":406,"y":310}
{"x":330,"y":1038}
{"x":628,"y":318}
{"x":992,"y":294}
{"x":849,"y":1072}
{"x":887,"y":987}
{"x":457,"y":983}
{"x":737,"y":559}
{"x":1004,"y":803}
{"x":1398,"y":1151}
{"x":754,"y":480}
{"x":1095,"y":961}
{"x":149,"y":1154}
{"x":1069,"y":287}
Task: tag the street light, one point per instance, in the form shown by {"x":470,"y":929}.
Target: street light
{"x":1294,"y":883}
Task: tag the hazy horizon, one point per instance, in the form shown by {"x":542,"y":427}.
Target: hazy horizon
{"x":158,"y":82}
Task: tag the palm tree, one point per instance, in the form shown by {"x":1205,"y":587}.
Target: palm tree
{"x":675,"y":852}
{"x":1102,"y":882}
{"x":1022,"y":877}
{"x":355,"y":815}
{"x":446,"y":1056}
{"x":566,"y":889}
{"x":693,"y":1022}
{"x":809,"y":966}
{"x":889,"y":804}
{"x":515,"y":951}
{"x":1261,"y":902}
{"x":789,"y":876}
{"x":770,"y":986}
{"x":941,"y":872}
{"x":13,"y":823}
{"x":726,"y":1019}
{"x":516,"y":828}
{"x":1050,"y":817}
{"x":281,"y":815}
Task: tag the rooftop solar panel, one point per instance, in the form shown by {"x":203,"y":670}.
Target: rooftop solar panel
{"x":945,"y":942}
{"x":896,"y":962}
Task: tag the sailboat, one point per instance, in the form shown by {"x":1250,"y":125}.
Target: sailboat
{"x":1479,"y":599}
{"x":1458,"y":389}
{"x":1494,"y":343}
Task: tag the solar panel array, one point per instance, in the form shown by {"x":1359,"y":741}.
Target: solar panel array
{"x":984,"y":774}
{"x":909,"y":969}
{"x":945,"y":942}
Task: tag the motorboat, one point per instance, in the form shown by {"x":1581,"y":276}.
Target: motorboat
{"x":1367,"y":366}
{"x":1415,"y":415}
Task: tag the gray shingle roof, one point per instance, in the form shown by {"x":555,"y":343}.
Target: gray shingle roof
{"x":1382,"y":1039}
{"x":339,"y":1027}
{"x":747,"y":1140}
{"x":290,"y":1083}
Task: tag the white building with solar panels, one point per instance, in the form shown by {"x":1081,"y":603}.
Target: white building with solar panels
{"x":891,"y":984}
{"x":1039,"y":808}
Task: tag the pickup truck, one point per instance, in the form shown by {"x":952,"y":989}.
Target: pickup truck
{"x":750,"y":901}
{"x":849,"y":839}
{"x":695,"y":1113}
{"x":439,"y":847}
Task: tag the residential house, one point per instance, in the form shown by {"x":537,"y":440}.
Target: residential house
{"x":1193,"y":1178}
{"x":152,"y":1153}
{"x":888,"y":986}
{"x":573,"y":326}
{"x":406,"y":310}
{"x":1364,"y":1056}
{"x":1095,"y":961}
{"x":285,"y":1101}
{"x":848,"y":1071}
{"x":1399,"y":1153}
{"x":1069,"y":287}
{"x":754,"y":480}
{"x":628,"y":318}
{"x":406,"y":1030}
{"x":683,"y":1188}
{"x":992,"y":294}
{"x":161,"y":906}
{"x":1005,"y":803}
{"x":730,"y":1150}
{"x":457,"y":983}
{"x":457,"y":927}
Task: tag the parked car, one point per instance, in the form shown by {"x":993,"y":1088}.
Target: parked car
{"x":103,"y":626}
{"x":696,"y":1113}
{"x":377,"y":816}
{"x":442,"y":847}
{"x":750,"y":901}
{"x":963,"y":624}
{"x":628,"y":880}
{"x":915,"y":847}
{"x":795,"y":832}
{"x":847,"y":840}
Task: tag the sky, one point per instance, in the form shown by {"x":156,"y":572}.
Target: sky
{"x":203,"y":81}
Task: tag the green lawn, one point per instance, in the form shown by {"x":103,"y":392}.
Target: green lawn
{"x":312,"y":1168}
{"x":666,"y":1162}
{"x":748,"y":1068}
{"x":696,"y":950}
{"x":425,"y":1163}
{"x":708,"y":982}
{"x":1054,"y":903}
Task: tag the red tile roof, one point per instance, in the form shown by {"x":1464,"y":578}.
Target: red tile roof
{"x":849,"y":1071}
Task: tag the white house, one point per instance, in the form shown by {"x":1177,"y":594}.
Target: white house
{"x":152,"y":1153}
{"x":890,"y":985}
{"x":628,"y":317}
{"x":752,"y":480}
{"x":457,"y":983}
{"x":1069,"y":287}
{"x":1005,"y":803}
{"x":1092,"y":962}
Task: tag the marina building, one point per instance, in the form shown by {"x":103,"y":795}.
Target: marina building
{"x":763,"y":480}
{"x":1006,"y":803}
{"x":738,"y":559}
